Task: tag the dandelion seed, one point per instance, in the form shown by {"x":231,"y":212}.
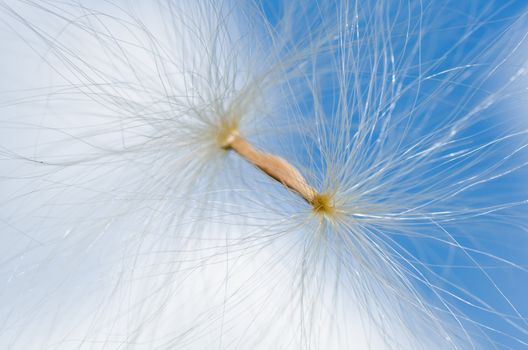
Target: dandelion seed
{"x":236,"y":175}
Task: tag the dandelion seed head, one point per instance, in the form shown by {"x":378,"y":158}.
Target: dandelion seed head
{"x":387,"y":137}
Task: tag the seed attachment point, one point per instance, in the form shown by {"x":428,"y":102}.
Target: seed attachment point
{"x":323,"y":203}
{"x":227,"y":134}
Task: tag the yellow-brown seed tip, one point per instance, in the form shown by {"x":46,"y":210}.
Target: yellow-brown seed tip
{"x":227,"y":133}
{"x":323,"y":203}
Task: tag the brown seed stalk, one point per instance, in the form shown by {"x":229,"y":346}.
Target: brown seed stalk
{"x":274,"y":166}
